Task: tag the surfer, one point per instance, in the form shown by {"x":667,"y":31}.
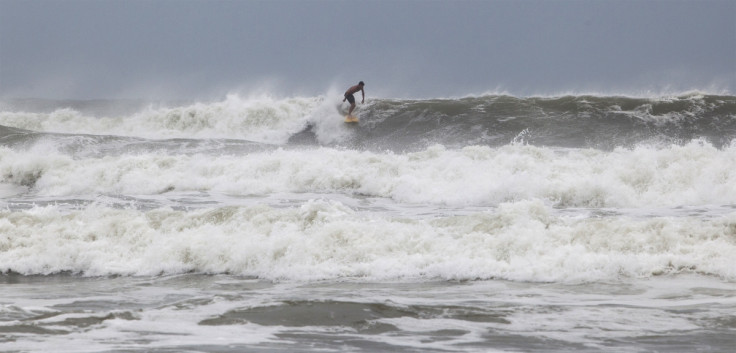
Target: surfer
{"x":349,"y":96}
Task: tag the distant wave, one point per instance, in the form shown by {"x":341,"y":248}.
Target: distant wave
{"x":569,"y":121}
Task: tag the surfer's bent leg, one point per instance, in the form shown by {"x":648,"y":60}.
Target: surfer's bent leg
{"x":350,"y":99}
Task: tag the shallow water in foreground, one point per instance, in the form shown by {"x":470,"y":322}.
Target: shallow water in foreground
{"x":223,"y":313}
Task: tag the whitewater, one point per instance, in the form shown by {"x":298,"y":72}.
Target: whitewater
{"x":481,"y":223}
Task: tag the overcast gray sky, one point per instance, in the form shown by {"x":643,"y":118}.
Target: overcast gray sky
{"x":205,"y":49}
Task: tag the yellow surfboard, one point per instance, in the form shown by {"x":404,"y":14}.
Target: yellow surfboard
{"x":351,"y":119}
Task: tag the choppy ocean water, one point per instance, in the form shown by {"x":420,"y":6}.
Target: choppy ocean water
{"x":490,"y":223}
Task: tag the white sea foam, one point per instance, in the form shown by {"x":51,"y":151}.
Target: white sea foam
{"x":163,"y":329}
{"x":326,"y":240}
{"x":693,"y":174}
{"x":262,"y":119}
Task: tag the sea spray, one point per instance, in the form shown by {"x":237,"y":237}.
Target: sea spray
{"x":261,"y":119}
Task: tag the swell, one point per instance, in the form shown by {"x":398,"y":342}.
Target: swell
{"x":400,"y":125}
{"x":572,"y":121}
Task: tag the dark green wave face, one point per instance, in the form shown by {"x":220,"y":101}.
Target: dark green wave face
{"x":572,"y":121}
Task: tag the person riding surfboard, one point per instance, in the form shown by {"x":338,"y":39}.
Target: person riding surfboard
{"x":350,"y":98}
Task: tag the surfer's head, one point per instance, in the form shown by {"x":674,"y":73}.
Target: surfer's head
{"x":361,"y":83}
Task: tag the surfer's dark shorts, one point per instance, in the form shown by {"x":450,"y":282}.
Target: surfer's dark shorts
{"x":350,"y":98}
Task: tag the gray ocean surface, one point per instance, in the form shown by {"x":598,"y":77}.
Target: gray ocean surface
{"x":262,"y":224}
